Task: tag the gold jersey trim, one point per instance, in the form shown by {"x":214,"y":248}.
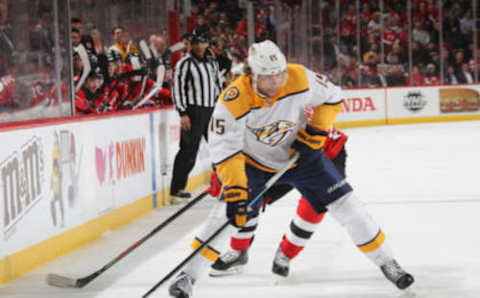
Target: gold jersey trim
{"x":239,"y":97}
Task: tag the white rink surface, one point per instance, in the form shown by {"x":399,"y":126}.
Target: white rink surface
{"x":420,"y":182}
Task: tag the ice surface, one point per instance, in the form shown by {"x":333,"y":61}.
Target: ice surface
{"x":420,"y":182}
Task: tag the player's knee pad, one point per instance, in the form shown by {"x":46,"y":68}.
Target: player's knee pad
{"x":351,"y":213}
{"x":346,"y":209}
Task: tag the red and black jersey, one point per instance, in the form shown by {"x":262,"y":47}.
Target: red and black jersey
{"x":84,"y":102}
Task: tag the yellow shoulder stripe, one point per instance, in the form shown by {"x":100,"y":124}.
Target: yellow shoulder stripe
{"x":239,"y":97}
{"x":297,"y":80}
{"x":236,"y":97}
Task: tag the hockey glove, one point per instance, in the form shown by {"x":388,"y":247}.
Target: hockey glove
{"x":215,"y":185}
{"x":236,"y":198}
{"x":308,"y":140}
{"x":334,"y":144}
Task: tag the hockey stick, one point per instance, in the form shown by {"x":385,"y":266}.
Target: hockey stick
{"x":87,"y":67}
{"x":267,"y":185}
{"x":146,"y":98}
{"x":67,"y":282}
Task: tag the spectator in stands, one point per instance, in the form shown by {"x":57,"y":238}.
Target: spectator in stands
{"x":419,"y":34}
{"x":344,"y":54}
{"x":452,"y":32}
{"x":416,"y":78}
{"x":347,"y":30}
{"x":372,"y":55}
{"x":186,"y":41}
{"x":161,"y":55}
{"x":475,"y":63}
{"x":467,"y":23}
{"x":97,"y":41}
{"x":418,"y":53}
{"x":42,"y":35}
{"x":7,"y":46}
{"x":240,"y":46}
{"x":430,"y":51}
{"x":121,"y":42}
{"x":389,"y":36}
{"x":396,"y":76}
{"x":218,"y":50}
{"x":350,"y":79}
{"x":76,"y":37}
{"x":400,"y":53}
{"x":202,"y":25}
{"x":464,"y":76}
{"x":459,"y":59}
{"x":450,"y":77}
{"x":259,"y":28}
{"x":431,"y":75}
{"x":456,"y":10}
{"x":374,"y":25}
{"x":86,"y":40}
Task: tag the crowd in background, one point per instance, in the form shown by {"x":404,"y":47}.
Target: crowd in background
{"x":121,"y":75}
{"x":454,"y":49}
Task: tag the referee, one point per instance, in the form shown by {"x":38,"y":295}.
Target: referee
{"x":196,"y":88}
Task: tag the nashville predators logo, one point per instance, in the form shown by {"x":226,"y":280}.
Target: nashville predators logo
{"x":273,"y":133}
{"x":231,"y":94}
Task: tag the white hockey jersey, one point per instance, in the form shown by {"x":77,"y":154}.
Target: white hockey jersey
{"x":262,"y":130}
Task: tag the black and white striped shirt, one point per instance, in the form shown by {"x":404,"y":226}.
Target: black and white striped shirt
{"x":196,"y":83}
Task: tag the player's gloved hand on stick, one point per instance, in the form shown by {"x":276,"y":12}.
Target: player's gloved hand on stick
{"x":309,"y":140}
{"x":236,"y":198}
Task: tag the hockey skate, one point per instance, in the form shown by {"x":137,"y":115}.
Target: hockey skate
{"x":394,"y":273}
{"x":230,"y":263}
{"x":180,"y":197}
{"x":181,"y":286}
{"x":281,"y":263}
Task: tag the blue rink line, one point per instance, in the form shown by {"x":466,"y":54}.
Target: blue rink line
{"x":154,"y":173}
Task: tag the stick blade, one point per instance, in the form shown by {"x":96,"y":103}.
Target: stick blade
{"x":61,"y":281}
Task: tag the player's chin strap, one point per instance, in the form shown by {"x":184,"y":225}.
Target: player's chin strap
{"x":259,"y":196}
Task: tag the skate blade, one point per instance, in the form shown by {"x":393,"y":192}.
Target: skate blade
{"x":61,"y":281}
{"x":220,"y":273}
{"x":408,"y":293}
{"x":279,"y":280}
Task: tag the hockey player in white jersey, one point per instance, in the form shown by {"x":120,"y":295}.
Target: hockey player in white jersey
{"x":257,"y":124}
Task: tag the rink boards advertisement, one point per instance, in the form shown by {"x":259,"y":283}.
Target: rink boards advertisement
{"x":362,"y":104}
{"x":363,"y":107}
{"x":63,"y":185}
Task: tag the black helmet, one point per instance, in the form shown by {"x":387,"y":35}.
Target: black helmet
{"x":199,"y":36}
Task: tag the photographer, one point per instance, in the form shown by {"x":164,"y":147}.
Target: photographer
{"x":217,"y":48}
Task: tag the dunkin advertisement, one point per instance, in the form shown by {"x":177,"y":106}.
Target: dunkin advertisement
{"x":122,"y":161}
{"x":458,"y":100}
